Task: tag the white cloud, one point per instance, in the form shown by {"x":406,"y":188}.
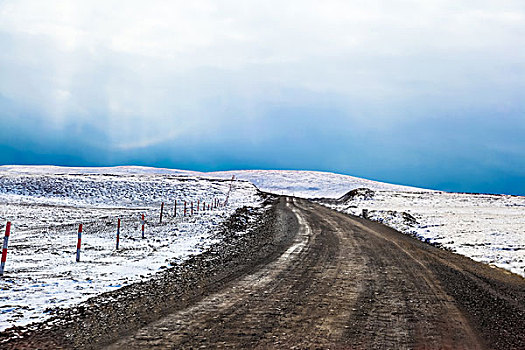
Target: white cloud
{"x":136,"y":63}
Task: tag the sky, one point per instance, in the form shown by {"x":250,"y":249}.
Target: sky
{"x":424,"y":93}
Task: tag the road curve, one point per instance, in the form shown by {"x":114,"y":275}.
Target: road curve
{"x":345,"y":282}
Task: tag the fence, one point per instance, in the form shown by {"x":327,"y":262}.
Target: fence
{"x":215,"y":203}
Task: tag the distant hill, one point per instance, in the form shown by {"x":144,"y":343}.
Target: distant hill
{"x":310,"y":184}
{"x":300,"y":183}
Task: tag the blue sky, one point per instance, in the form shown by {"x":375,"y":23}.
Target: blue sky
{"x":426,"y":93}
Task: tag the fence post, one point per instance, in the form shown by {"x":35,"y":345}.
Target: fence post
{"x":4,"y":248}
{"x":229,"y":191}
{"x":143,"y":222}
{"x":184,"y":208}
{"x":175,"y":209}
{"x":118,"y":232}
{"x":161,"y":211}
{"x":365,"y":213}
{"x":79,"y":241}
{"x":198,"y":204}
{"x":191,"y":208}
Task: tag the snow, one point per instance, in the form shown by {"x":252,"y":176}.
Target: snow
{"x":309,"y":184}
{"x":46,"y":204}
{"x":117,"y":170}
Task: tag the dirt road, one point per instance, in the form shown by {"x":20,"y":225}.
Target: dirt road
{"x":306,"y":277}
{"x":345,"y":282}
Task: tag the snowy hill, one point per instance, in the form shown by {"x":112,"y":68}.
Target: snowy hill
{"x":117,"y":170}
{"x":300,"y":183}
{"x":310,"y":184}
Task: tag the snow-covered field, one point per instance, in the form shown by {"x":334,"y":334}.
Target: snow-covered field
{"x":486,"y":228}
{"x":46,"y":204}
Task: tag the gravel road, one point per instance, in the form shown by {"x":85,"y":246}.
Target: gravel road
{"x":308,"y":277}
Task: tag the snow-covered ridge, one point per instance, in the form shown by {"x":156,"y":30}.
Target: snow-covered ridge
{"x":311,"y":184}
{"x":116,"y":170}
{"x":300,"y":183}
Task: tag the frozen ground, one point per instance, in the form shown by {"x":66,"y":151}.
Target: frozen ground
{"x":487,"y":228}
{"x":46,"y":204}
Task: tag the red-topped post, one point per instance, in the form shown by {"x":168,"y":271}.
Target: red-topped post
{"x":79,"y":241}
{"x":4,"y":248}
